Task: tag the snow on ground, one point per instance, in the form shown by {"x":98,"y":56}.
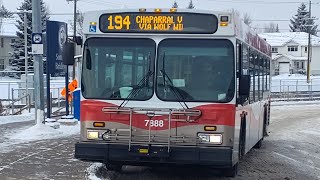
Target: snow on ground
{"x":16,"y":118}
{"x":41,"y":132}
{"x":21,"y":135}
{"x":308,"y":122}
{"x":92,"y":171}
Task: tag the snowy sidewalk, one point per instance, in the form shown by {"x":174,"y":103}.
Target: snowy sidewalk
{"x":38,"y":152}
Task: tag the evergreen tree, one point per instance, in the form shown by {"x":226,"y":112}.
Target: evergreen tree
{"x":301,"y":21}
{"x":18,"y":46}
{"x":190,"y":6}
{"x":4,"y":12}
{"x":175,"y":4}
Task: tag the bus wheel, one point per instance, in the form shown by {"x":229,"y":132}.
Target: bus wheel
{"x":231,"y":172}
{"x":114,"y":167}
{"x":242,"y":139}
{"x":258,"y":145}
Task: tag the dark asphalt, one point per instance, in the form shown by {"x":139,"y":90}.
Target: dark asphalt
{"x":280,"y":158}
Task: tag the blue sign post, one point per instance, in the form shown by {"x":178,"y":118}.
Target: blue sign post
{"x":56,"y":38}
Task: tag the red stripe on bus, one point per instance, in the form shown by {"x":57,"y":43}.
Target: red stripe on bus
{"x":212,"y":114}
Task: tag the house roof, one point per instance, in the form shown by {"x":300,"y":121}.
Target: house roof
{"x":290,"y":57}
{"x":281,"y":39}
{"x":8,"y":27}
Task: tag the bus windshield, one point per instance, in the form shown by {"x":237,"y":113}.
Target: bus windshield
{"x":113,"y":68}
{"x":200,"y":70}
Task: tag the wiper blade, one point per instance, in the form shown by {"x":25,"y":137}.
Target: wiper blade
{"x":136,"y":90}
{"x":145,"y":80}
{"x":171,"y":86}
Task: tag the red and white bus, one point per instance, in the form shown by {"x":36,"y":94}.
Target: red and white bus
{"x":173,"y":87}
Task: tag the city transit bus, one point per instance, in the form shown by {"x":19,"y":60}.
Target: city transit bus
{"x":172,"y":87}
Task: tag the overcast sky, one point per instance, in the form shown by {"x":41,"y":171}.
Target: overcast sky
{"x":258,"y":9}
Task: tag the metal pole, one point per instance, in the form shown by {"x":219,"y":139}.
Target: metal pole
{"x":67,"y":89}
{"x":309,"y":46}
{"x":12,"y":109}
{"x":26,"y":49}
{"x":38,"y":64}
{"x":49,"y":113}
{"x":48,"y":93}
{"x":74,"y":33}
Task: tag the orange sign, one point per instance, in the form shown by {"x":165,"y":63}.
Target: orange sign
{"x":71,"y":87}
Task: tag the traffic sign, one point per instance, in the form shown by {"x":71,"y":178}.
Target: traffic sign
{"x":37,"y":44}
{"x":36,"y":38}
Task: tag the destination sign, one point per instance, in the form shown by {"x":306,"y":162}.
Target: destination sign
{"x":184,"y":23}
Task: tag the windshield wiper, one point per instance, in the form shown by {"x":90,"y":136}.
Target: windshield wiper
{"x":139,"y":86}
{"x":171,"y":86}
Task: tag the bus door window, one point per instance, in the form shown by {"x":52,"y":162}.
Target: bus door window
{"x":252,"y":72}
{"x":245,"y":62}
{"x":268,"y":74}
{"x":256,"y":79}
{"x":261,"y":76}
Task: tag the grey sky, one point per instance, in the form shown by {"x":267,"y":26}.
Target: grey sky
{"x":258,"y":9}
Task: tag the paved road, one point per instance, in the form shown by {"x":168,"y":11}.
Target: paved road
{"x":292,"y":151}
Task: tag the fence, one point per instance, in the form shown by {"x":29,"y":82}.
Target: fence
{"x":295,"y":90}
{"x":13,"y":96}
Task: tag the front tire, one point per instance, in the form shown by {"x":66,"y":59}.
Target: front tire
{"x":258,"y":145}
{"x":232,"y":172}
{"x":114,"y":167}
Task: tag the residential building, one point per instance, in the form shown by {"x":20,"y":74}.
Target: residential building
{"x":7,"y":36}
{"x":290,"y":52}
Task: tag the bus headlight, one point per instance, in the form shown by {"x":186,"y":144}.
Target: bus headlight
{"x":210,"y":138}
{"x":92,"y":135}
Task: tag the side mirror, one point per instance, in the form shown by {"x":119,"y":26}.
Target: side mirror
{"x":244,"y":85}
{"x":88,"y":59}
{"x":78,"y":40}
{"x":68,"y":53}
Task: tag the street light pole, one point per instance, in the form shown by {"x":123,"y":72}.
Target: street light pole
{"x":38,"y":64}
{"x":309,"y":46}
{"x":26,"y":50}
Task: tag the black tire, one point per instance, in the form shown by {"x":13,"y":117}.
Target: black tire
{"x":232,"y":172}
{"x":114,"y":167}
{"x":242,"y":138}
{"x":265,"y":121}
{"x":258,"y":145}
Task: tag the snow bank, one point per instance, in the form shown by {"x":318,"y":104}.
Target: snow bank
{"x":41,"y":132}
{"x":92,"y":170}
{"x":16,"y":118}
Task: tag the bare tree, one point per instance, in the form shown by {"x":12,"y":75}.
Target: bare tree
{"x":247,"y":19}
{"x":270,"y":28}
{"x":79,"y":24}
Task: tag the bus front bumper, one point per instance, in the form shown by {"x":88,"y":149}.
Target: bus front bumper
{"x":153,"y":155}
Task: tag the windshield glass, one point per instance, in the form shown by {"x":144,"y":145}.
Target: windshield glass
{"x":200,"y":70}
{"x":114,"y":67}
